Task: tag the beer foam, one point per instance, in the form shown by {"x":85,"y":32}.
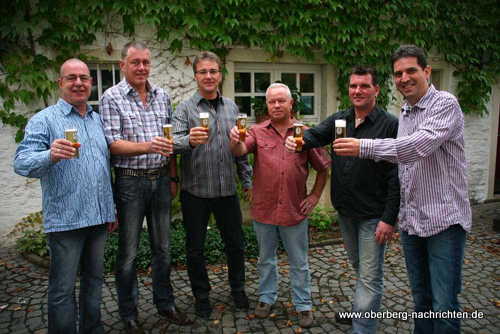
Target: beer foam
{"x":204,"y":115}
{"x":340,"y":123}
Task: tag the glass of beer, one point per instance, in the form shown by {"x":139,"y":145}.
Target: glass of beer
{"x":298,"y":134}
{"x":167,"y":132}
{"x":241,"y":123}
{"x":340,"y":128}
{"x":72,"y":136}
{"x":204,"y":116}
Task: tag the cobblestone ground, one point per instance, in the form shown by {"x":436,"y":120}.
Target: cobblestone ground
{"x":23,"y":292}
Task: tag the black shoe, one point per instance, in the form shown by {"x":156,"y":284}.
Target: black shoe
{"x":133,"y":327}
{"x":344,"y":320}
{"x":202,"y":308}
{"x":240,"y":300}
{"x":175,"y":316}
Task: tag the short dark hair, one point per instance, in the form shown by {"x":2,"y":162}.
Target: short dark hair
{"x":405,"y":51}
{"x":206,"y":55}
{"x":134,"y":44}
{"x":364,"y":70}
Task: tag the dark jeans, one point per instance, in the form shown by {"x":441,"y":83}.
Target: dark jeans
{"x":196,"y":212}
{"x":434,"y":267}
{"x":138,"y":197}
{"x":70,"y":250}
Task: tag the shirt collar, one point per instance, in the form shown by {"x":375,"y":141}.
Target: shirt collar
{"x":423,"y":102}
{"x":127,"y":89}
{"x":372,"y":116}
{"x":198,"y":98}
{"x":66,"y":107}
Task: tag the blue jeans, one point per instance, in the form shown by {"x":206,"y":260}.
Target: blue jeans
{"x":70,"y":250}
{"x":296,"y":243}
{"x":434,"y":266}
{"x":196,"y":212}
{"x":138,"y":197}
{"x":367,"y":258}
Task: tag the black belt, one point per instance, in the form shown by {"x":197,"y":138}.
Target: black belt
{"x":141,"y":172}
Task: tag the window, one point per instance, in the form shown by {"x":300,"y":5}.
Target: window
{"x":252,"y":80}
{"x":103,"y":77}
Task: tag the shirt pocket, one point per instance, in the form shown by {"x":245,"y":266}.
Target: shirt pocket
{"x":130,"y":126}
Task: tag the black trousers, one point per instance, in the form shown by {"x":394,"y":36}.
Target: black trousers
{"x":196,"y":212}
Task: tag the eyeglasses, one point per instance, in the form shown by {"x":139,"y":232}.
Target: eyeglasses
{"x":73,"y":77}
{"x":204,"y":72}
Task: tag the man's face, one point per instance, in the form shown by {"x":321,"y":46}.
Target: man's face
{"x":208,"y":77}
{"x":410,"y":79}
{"x":136,"y":66}
{"x":279,"y":104}
{"x":75,"y":83}
{"x":362,"y":92}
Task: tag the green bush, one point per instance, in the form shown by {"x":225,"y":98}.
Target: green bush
{"x":33,"y":240}
{"x":322,"y":218}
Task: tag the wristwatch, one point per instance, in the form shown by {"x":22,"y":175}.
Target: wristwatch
{"x":174,"y":179}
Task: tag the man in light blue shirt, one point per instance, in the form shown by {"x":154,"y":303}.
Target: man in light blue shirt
{"x":77,"y":198}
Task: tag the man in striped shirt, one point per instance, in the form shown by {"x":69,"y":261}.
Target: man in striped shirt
{"x":209,"y":181}
{"x":77,"y":199}
{"x":435,"y":211}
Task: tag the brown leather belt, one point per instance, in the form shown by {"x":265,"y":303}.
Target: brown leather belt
{"x":141,"y":172}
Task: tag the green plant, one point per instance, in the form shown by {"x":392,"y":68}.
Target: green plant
{"x":322,"y":218}
{"x":36,"y":36}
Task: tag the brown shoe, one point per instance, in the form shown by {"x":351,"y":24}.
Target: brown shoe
{"x":305,"y":319}
{"x":176,"y":317}
{"x":262,"y":310}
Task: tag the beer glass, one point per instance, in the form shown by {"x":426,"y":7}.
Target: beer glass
{"x":241,"y":123}
{"x":72,"y":136}
{"x":204,"y":116}
{"x":167,"y":132}
{"x":340,"y":129}
{"x":298,"y":134}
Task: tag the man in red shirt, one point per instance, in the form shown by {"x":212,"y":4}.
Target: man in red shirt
{"x":280,"y":203}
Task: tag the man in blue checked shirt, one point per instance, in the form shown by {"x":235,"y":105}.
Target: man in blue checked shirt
{"x":133,"y":113}
{"x":77,"y":198}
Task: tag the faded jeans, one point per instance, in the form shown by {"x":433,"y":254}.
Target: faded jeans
{"x":296,"y":243}
{"x":367,"y":258}
{"x":138,"y":197}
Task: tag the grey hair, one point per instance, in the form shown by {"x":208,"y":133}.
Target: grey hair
{"x":279,"y":85}
{"x":134,"y":44}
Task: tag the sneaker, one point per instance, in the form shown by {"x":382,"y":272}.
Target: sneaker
{"x":240,"y":300}
{"x":202,"y":308}
{"x":262,"y":310}
{"x":344,"y":320}
{"x":305,"y":319}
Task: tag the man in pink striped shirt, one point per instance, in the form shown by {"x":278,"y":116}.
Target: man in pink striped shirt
{"x":435,"y":212}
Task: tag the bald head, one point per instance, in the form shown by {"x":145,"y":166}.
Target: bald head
{"x":69,"y":63}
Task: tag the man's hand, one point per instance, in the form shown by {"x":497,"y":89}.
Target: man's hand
{"x":234,"y":135}
{"x":308,"y":204}
{"x":291,"y":144}
{"x":198,"y":135}
{"x":162,"y":145}
{"x":248,"y":194}
{"x":383,"y":233}
{"x":347,"y":146}
{"x":61,"y":149}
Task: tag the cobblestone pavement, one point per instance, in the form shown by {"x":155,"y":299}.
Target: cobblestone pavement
{"x":23,"y":292}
